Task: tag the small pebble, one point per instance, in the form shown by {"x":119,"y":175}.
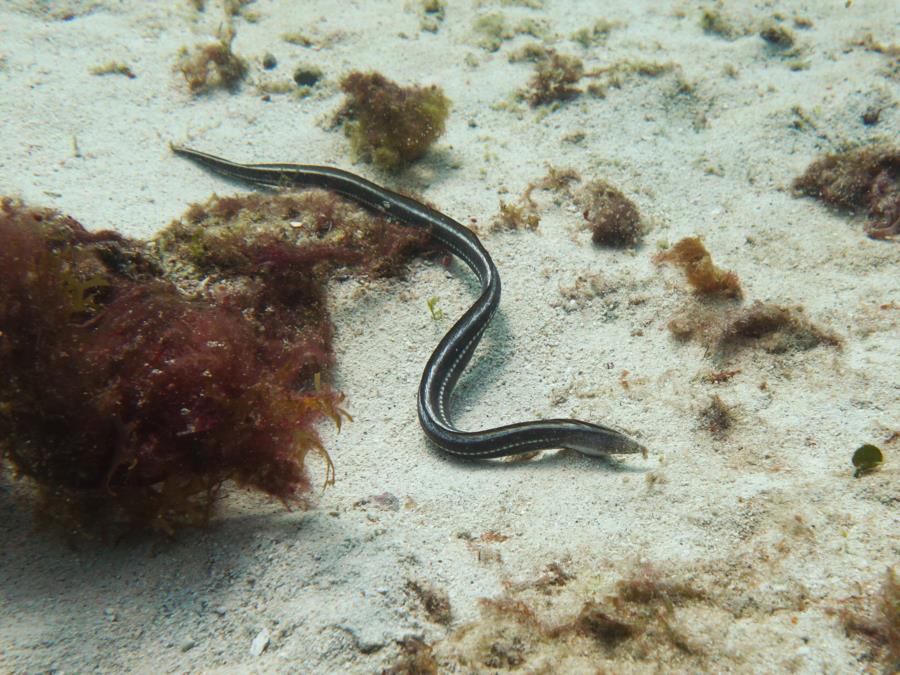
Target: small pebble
{"x":260,"y":642}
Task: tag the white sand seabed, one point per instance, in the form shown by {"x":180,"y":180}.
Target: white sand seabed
{"x":774,"y":497}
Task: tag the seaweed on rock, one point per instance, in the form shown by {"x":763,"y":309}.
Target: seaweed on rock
{"x":129,"y":399}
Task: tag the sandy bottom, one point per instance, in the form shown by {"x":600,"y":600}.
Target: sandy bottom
{"x":746,"y":549}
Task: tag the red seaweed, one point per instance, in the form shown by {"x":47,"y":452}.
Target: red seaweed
{"x":141,"y":376}
{"x":127,"y":401}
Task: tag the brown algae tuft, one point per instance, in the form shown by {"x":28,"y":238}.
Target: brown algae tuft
{"x":554,"y":79}
{"x":777,"y":36}
{"x":211,"y":66}
{"x":772,"y":328}
{"x":493,"y":29}
{"x":613,"y":219}
{"x":706,"y":279}
{"x":876,"y":619}
{"x":640,"y":621}
{"x":715,"y":21}
{"x":717,"y":417}
{"x":415,"y":659}
{"x":864,"y":180}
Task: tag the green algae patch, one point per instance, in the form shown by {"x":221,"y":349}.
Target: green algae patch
{"x":866,"y":459}
{"x":389,"y":125}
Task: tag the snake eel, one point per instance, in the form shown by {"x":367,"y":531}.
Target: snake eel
{"x":454,"y":351}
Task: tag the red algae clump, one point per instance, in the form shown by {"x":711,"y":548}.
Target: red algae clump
{"x":138,"y":378}
{"x":125,"y":401}
{"x":389,"y":125}
{"x":866,"y":179}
